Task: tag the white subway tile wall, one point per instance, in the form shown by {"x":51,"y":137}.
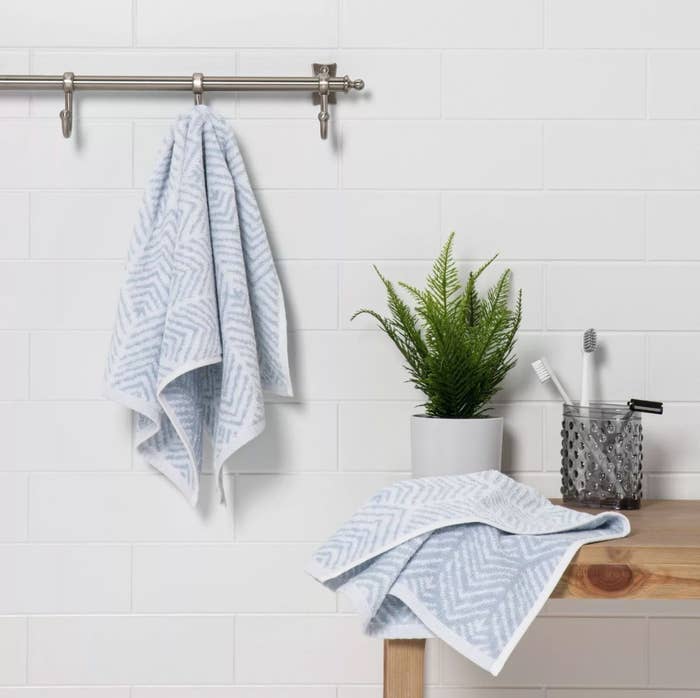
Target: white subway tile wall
{"x":562,"y":134}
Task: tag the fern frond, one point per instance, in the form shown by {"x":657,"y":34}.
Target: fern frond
{"x":457,"y":344}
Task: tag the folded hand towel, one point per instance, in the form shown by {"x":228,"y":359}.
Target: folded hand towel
{"x":201,"y":328}
{"x":468,"y":558}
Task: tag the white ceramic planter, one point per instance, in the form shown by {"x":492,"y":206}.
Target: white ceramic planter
{"x":455,"y":446}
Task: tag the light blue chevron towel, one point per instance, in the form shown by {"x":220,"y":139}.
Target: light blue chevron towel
{"x":470,"y":559}
{"x":201,"y":329}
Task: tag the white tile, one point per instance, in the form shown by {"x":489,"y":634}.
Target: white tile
{"x":333,"y":650}
{"x":158,"y":650}
{"x":361,"y":288}
{"x":14,"y":366}
{"x":672,"y":221}
{"x":297,"y":436}
{"x":546,"y":225}
{"x":673,"y":486}
{"x":72,"y":295}
{"x":549,"y":654}
{"x":13,"y":650}
{"x":14,"y":103}
{"x":614,"y":693}
{"x":244,"y":578}
{"x":522,"y":437}
{"x":231,"y":692}
{"x":65,"y":436}
{"x":83,"y":225}
{"x":621,"y":296}
{"x":73,"y":23}
{"x":68,"y":365}
{"x":135,"y":62}
{"x":14,"y":238}
{"x":501,"y":155}
{"x":263,"y":23}
{"x":669,"y":96}
{"x":376,"y":435}
{"x":65,"y":692}
{"x":351,"y":224}
{"x":443,"y":23}
{"x":541,"y":84}
{"x":278,"y":153}
{"x":307,"y":507}
{"x":98,"y":155}
{"x":372,"y":367}
{"x":13,"y":507}
{"x":671,"y":657}
{"x":442,"y":692}
{"x":390,"y":77}
{"x":123,"y":507}
{"x":622,"y":24}
{"x":672,"y":367}
{"x":622,"y":155}
{"x":671,"y":444}
{"x":619,"y":363}
{"x":310,"y":294}
{"x":65,"y":579}
{"x":641,"y":608}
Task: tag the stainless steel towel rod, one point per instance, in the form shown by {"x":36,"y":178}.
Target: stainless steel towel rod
{"x":323,"y":85}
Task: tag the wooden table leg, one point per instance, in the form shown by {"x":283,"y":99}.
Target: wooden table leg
{"x":403,"y":668}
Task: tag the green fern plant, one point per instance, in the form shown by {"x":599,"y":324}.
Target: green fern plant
{"x":457,"y":344}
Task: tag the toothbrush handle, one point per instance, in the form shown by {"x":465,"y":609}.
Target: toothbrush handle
{"x":561,"y":390}
{"x":586,"y":377}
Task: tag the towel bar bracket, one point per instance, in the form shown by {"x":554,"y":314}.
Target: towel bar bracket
{"x":324,"y":84}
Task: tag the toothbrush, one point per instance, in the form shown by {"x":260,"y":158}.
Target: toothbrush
{"x":590,"y":344}
{"x":545,"y":373}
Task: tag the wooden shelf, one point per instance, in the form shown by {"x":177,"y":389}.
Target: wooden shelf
{"x":660,"y":559}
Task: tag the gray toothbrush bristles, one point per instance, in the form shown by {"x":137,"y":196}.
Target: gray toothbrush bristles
{"x":590,"y":341}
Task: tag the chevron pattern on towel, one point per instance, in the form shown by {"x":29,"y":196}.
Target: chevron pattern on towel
{"x":200,"y":329}
{"x":468,"y":558}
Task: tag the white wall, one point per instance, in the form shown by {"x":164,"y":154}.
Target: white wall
{"x":564,"y":133}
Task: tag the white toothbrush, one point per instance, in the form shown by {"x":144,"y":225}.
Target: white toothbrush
{"x":590,"y":344}
{"x":545,"y":373}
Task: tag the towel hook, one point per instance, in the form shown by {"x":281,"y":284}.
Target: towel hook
{"x":324,"y":97}
{"x":67,"y":111}
{"x":197,"y":87}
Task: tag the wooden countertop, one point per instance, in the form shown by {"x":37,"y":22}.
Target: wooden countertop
{"x":660,"y":559}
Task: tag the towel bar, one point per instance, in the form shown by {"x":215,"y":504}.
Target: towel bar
{"x":323,"y":85}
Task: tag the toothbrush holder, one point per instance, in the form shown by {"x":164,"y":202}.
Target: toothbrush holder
{"x":601,"y":456}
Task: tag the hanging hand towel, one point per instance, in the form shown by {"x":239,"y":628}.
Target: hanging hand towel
{"x":201,"y":328}
{"x":470,"y":559}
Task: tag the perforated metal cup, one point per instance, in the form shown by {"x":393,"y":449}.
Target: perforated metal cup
{"x":601,"y":456}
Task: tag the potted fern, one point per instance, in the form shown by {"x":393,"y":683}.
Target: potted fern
{"x":458,"y":347}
